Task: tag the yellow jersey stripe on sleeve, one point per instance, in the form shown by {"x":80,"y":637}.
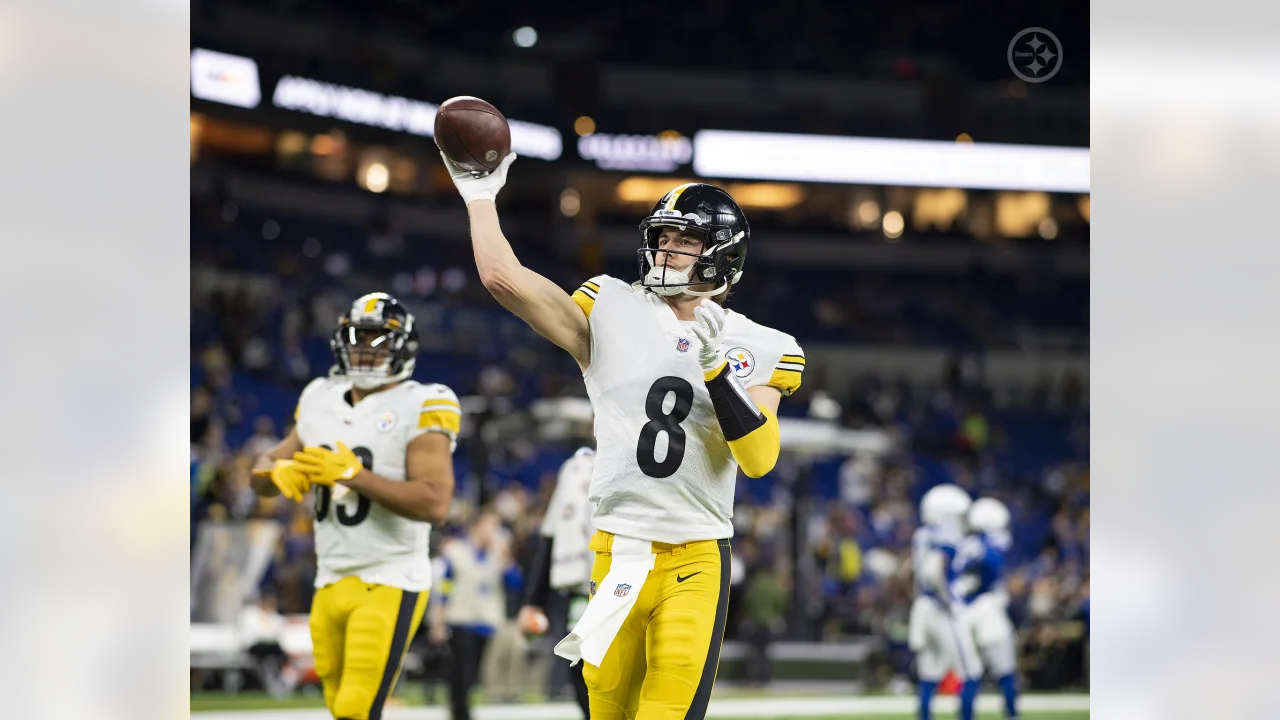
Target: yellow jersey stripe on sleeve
{"x":788,"y":381}
{"x":594,"y":286}
{"x":442,"y":402}
{"x":450,"y":420}
{"x":584,"y":301}
{"x":796,"y":359}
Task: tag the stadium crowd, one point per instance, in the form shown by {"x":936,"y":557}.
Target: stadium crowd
{"x":253,"y":360}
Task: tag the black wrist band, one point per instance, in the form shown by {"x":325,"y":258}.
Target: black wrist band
{"x":736,"y":411}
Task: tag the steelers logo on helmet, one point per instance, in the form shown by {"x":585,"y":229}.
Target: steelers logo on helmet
{"x":375,"y":342}
{"x":710,"y":215}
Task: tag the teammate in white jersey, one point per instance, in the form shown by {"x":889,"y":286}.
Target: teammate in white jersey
{"x":684,"y":393}
{"x":937,"y":631}
{"x":981,"y":585}
{"x":377,"y":448}
{"x":564,"y":559}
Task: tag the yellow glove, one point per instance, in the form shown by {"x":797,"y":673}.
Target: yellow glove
{"x":289,"y":477}
{"x":325,"y":467}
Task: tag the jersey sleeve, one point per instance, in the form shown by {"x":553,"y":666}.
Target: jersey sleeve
{"x":588,"y":292}
{"x":788,"y":368}
{"x":436,"y":409}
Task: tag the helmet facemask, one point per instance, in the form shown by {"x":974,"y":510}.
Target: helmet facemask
{"x":372,"y":356}
{"x":709,"y":214}
{"x":707,"y":265}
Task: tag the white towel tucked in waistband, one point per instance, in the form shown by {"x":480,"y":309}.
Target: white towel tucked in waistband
{"x":593,"y":634}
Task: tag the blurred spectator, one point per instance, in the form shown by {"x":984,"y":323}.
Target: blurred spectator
{"x":763,"y":620}
{"x":472,"y":603}
{"x":264,"y":437}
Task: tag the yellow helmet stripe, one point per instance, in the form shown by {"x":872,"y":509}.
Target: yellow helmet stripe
{"x":675,"y":195}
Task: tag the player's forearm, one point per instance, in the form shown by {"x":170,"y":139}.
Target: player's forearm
{"x":260,"y":480}
{"x":757,"y":451}
{"x":421,"y":501}
{"x":496,"y":262}
{"x":540,"y":575}
{"x":751,"y":430}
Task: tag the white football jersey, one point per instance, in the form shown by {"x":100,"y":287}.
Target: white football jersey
{"x":356,"y":536}
{"x":568,"y":524}
{"x":930,"y":539}
{"x":663,"y":469}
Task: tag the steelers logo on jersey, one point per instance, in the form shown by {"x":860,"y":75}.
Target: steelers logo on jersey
{"x":386,"y":421}
{"x":741,"y":361}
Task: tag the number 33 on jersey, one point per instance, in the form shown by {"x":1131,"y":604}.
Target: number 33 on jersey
{"x":355,"y":536}
{"x":663,"y":468}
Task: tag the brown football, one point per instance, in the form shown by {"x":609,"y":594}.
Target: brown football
{"x":472,"y":133}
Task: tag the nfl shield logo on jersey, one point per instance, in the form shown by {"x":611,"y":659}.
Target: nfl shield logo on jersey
{"x":622,"y":590}
{"x":682,"y":344}
{"x":591,"y":592}
{"x":741,"y":362}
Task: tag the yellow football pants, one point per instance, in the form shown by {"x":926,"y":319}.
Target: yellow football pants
{"x":359,"y":633}
{"x":663,"y":662}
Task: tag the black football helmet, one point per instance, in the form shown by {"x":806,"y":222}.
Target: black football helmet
{"x":709,"y":213}
{"x":375,"y":342}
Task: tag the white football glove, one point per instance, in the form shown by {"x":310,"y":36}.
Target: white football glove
{"x":710,"y":328}
{"x":475,"y":186}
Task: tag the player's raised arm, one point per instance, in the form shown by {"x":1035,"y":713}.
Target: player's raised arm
{"x":545,"y":306}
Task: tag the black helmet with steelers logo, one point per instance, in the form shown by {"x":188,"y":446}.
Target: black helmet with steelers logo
{"x":375,"y":342}
{"x":709,"y":213}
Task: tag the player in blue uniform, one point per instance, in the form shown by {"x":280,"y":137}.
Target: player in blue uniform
{"x":981,"y":585}
{"x":938,"y":632}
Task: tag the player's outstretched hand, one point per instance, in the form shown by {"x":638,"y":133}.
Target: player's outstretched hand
{"x":532,"y":621}
{"x":325,"y":466}
{"x":473,"y":186}
{"x":289,"y":478}
{"x":709,"y":330}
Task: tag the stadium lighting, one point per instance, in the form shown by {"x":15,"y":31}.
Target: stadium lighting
{"x":893,"y":225}
{"x":758,"y":196}
{"x":570,"y":202}
{"x":525,"y":37}
{"x":377,"y":177}
{"x":646,"y":189}
{"x":223,"y":78}
{"x":878,"y":161}
{"x":390,"y":112}
{"x":644,"y":153}
{"x":868,"y":212}
{"x":767,"y":196}
{"x":584,"y":126}
{"x":1048,"y":228}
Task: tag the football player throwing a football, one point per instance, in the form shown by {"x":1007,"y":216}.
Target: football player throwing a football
{"x":377,"y":448}
{"x":684,"y":392}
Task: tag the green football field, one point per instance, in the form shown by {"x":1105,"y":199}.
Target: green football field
{"x":726,"y":706}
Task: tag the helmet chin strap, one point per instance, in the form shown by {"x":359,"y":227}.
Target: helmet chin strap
{"x":658,"y":275}
{"x":369,"y":382}
{"x":705,"y":293}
